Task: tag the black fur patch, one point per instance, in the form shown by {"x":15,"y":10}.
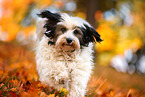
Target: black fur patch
{"x":51,"y":16}
{"x":89,"y":35}
{"x":53,"y":19}
{"x":51,"y":43}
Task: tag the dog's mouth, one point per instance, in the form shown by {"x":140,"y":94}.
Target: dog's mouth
{"x":67,"y":47}
{"x":67,"y":44}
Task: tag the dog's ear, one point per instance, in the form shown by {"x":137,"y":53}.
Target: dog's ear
{"x":51,"y":19}
{"x":90,"y":35}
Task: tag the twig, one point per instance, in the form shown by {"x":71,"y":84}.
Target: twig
{"x":128,"y":94}
{"x":101,"y":85}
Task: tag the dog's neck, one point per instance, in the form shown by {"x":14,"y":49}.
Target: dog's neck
{"x":65,"y":55}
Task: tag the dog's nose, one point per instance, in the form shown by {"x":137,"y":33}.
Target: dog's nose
{"x":69,"y":40}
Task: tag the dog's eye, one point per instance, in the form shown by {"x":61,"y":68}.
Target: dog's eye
{"x":63,"y":29}
{"x":76,"y":32}
{"x":47,"y":34}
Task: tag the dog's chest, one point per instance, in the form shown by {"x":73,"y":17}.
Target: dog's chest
{"x":66,"y":58}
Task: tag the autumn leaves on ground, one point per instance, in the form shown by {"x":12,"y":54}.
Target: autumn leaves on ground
{"x":18,"y":77}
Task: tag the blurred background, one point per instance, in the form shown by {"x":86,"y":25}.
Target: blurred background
{"x":120,"y":57}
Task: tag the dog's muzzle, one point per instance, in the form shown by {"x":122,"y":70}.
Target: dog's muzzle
{"x":67,"y":44}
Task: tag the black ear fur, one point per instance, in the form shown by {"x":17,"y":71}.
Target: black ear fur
{"x":90,"y":35}
{"x":53,"y":19}
{"x":51,"y":16}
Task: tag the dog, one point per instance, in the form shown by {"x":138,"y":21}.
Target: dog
{"x":64,"y":53}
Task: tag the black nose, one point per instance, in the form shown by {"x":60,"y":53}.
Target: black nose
{"x":69,"y":40}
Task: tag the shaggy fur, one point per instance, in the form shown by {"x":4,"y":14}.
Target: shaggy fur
{"x":64,"y":52}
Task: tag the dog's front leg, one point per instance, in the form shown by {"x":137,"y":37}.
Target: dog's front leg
{"x":60,"y":74}
{"x":78,"y":84}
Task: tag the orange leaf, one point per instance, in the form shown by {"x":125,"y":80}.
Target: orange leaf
{"x":13,"y":94}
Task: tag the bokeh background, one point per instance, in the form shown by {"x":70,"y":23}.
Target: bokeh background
{"x":120,"y":58}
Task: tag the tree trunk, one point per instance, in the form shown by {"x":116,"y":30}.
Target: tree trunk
{"x":92,"y":7}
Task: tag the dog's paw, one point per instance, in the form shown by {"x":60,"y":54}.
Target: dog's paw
{"x":63,"y":77}
{"x":62,"y":81}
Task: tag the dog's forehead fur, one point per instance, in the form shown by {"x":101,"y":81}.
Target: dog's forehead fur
{"x":70,"y":22}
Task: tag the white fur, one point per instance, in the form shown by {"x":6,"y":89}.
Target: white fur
{"x":70,"y":21}
{"x":55,"y":65}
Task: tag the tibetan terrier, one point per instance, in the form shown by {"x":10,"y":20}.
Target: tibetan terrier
{"x":64,"y":52}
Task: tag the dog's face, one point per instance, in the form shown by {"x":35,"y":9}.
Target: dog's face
{"x":68,"y":33}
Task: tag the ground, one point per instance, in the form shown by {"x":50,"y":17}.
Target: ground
{"x":18,"y":77}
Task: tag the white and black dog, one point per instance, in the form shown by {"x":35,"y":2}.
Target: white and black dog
{"x":64,"y":52}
